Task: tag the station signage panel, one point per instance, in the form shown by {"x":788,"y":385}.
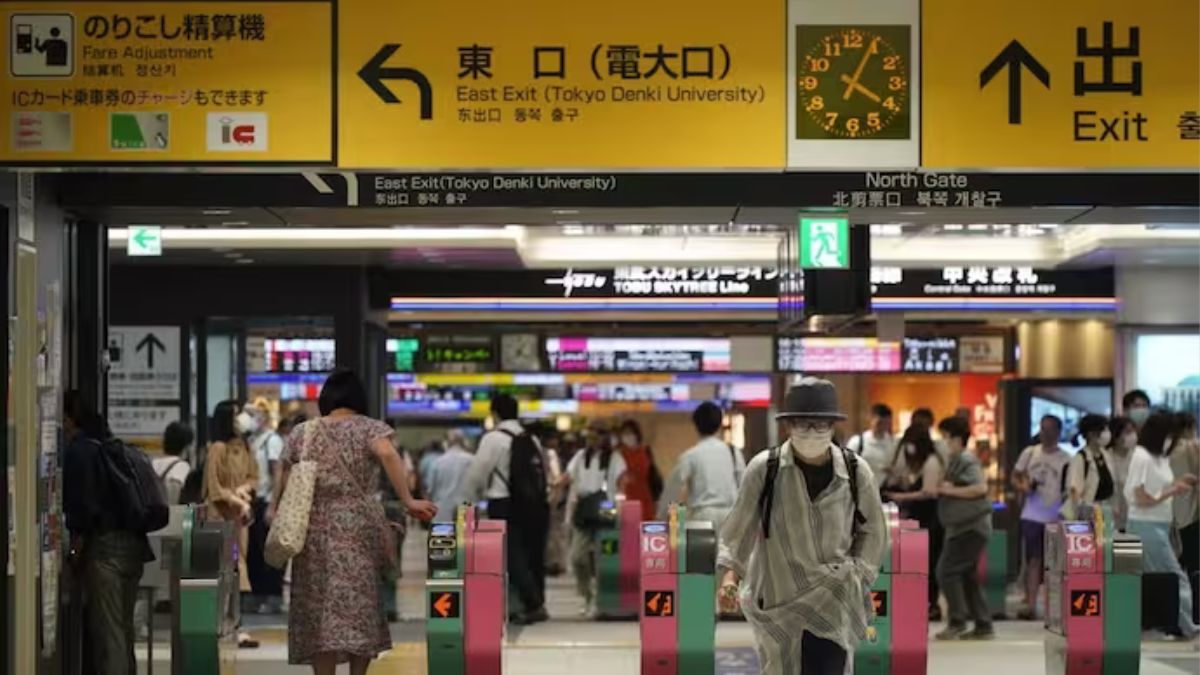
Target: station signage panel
{"x":639,"y":355}
{"x":837,"y":355}
{"x":930,"y":355}
{"x":543,"y":83}
{"x":177,"y":82}
{"x":1075,"y":83}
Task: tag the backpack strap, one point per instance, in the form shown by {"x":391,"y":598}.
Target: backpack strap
{"x":852,"y":472}
{"x":737,"y":475}
{"x":172,"y":465}
{"x":496,"y":471}
{"x":767,"y":496}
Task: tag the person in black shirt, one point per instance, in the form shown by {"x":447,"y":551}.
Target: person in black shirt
{"x":108,"y":559}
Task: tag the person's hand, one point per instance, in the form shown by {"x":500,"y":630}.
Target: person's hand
{"x":727,"y":594}
{"x":421,"y":509}
{"x":1189,"y":479}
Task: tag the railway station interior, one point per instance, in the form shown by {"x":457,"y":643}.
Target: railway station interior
{"x":241,"y":238}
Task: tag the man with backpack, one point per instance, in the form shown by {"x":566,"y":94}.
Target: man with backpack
{"x":804,"y":541}
{"x":708,"y":473}
{"x":509,"y":471}
{"x":111,"y":499}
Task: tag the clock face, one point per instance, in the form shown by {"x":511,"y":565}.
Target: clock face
{"x":519,"y":353}
{"x":852,"y":82}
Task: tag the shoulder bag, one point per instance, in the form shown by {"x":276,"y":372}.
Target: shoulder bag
{"x":290,"y":527}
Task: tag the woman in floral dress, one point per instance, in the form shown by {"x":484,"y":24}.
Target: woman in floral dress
{"x":336,"y":612}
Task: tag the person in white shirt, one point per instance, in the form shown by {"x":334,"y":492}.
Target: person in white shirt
{"x":1090,"y":478}
{"x":266,"y":447}
{"x":448,"y":476}
{"x":596,"y":473}
{"x":172,"y":467}
{"x":489,"y":478}
{"x":707,"y":474}
{"x":1150,"y":489}
{"x":876,"y":445}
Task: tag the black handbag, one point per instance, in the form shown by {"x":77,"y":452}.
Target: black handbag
{"x":590,"y":512}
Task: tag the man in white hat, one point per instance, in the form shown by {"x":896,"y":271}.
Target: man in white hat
{"x":804,"y":542}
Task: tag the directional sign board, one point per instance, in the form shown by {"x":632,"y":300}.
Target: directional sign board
{"x":185,"y":81}
{"x":545,"y":83}
{"x":144,"y":240}
{"x":144,"y":382}
{"x":1071,"y":83}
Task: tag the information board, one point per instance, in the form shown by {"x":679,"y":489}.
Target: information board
{"x":144,"y":382}
{"x":930,"y":355}
{"x":638,"y":355}
{"x":837,"y":355}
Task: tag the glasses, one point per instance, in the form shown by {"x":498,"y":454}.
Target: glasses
{"x":818,"y":426}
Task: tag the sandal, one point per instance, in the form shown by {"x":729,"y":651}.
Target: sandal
{"x":247,"y":642}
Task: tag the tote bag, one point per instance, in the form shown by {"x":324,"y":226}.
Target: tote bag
{"x":290,"y":527}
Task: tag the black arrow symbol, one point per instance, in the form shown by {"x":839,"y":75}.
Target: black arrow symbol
{"x":1013,"y":57}
{"x":374,"y":73}
{"x":150,"y":343}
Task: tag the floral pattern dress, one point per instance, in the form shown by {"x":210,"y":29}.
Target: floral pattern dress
{"x":336,"y":601}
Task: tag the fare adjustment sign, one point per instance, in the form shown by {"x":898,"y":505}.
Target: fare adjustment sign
{"x":1070,"y":83}
{"x":130,"y":82}
{"x":546,"y":83}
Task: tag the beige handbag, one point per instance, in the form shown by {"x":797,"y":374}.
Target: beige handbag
{"x":290,"y":527}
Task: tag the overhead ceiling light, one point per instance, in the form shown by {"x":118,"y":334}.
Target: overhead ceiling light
{"x":978,"y":227}
{"x":565,"y":212}
{"x":244,"y":261}
{"x":233,"y":255}
{"x":952,"y":227}
{"x":326,"y":237}
{"x":216,"y":212}
{"x":235,"y":223}
{"x":912,"y":213}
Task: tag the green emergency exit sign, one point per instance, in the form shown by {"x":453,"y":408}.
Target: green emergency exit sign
{"x":824,"y":242}
{"x":144,"y":240}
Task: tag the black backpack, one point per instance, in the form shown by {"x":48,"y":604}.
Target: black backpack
{"x":1104,"y":490}
{"x":138,"y":503}
{"x":526,"y":481}
{"x":767,"y":497}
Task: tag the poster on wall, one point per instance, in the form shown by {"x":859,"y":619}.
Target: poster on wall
{"x":981,"y":354}
{"x":854,"y":74}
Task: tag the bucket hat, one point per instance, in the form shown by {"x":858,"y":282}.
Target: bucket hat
{"x":811,"y":397}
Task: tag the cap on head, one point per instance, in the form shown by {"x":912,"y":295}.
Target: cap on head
{"x":812,"y":397}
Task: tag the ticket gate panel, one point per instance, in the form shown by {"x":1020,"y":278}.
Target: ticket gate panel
{"x":873,"y":656}
{"x":485,"y":594}
{"x":993,"y":573}
{"x":697,"y":590}
{"x":444,"y":627}
{"x":659,"y":624}
{"x":1082,"y":601}
{"x":608,"y":571}
{"x":631,"y":532}
{"x":1122,"y":625}
{"x":910,"y":635}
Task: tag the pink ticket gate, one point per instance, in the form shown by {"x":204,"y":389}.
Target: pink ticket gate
{"x":898,"y":636}
{"x":466,"y":596}
{"x":1093,"y":599}
{"x":678,"y":594}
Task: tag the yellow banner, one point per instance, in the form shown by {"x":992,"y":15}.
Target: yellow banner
{"x":128,"y":82}
{"x":558,"y":84}
{"x":1068,"y":83}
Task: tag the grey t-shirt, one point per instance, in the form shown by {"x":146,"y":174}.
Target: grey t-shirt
{"x":964,"y":515}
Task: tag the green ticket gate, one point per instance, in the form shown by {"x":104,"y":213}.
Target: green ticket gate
{"x":202,"y":560}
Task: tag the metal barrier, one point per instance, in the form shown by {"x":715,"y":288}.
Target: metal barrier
{"x":466,"y":595}
{"x":1093,"y":598}
{"x":898,"y":637}
{"x":202,"y":561}
{"x":678,"y":592}
{"x":617,"y":560}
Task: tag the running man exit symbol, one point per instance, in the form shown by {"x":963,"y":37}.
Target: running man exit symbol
{"x":144,"y":240}
{"x":824,"y":242}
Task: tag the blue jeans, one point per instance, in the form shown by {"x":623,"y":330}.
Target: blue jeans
{"x":1158,"y":557}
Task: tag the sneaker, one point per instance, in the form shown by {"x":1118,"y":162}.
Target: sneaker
{"x":952,"y":632}
{"x":1026,"y":615}
{"x":980,"y":633}
{"x":540,"y":615}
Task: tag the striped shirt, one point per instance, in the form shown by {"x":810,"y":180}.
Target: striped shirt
{"x":812,"y":574}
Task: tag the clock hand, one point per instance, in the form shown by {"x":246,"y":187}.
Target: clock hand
{"x":853,"y":81}
{"x":858,"y":86}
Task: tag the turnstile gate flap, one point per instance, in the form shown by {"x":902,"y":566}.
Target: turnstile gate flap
{"x":1126,"y":554}
{"x":701,"y":548}
{"x":209,"y":549}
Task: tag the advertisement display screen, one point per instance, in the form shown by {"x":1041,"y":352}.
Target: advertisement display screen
{"x":931,"y":355}
{"x":638,"y":355}
{"x":298,"y":355}
{"x":837,"y":355}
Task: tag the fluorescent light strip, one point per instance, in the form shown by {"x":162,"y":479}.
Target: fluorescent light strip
{"x":323,"y":237}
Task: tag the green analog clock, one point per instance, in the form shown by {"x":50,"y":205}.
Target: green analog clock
{"x":852,"y":82}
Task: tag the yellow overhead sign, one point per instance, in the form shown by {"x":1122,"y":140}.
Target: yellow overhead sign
{"x":122,"y":82}
{"x":554,"y":84}
{"x":1068,"y":83}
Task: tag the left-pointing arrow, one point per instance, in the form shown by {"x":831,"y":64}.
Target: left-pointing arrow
{"x":444,"y":605}
{"x":374,"y":73}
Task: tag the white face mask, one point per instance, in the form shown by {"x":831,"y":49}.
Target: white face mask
{"x":1105,"y":438}
{"x":244,"y":423}
{"x":910,"y":450}
{"x":1139,"y":415}
{"x":811,"y":444}
{"x":1129,"y":440}
{"x":629,"y":441}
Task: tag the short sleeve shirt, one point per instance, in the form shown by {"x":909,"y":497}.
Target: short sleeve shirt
{"x":1045,"y":471}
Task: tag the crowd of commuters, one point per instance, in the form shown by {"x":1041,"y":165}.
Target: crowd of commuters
{"x":550,"y":487}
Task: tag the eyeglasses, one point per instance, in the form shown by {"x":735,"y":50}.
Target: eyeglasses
{"x":818,"y":426}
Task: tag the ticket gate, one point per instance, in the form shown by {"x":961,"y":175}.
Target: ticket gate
{"x":201,"y":561}
{"x":677,"y":595}
{"x":993,"y":573}
{"x":898,"y":636}
{"x":1093,"y":598}
{"x":617,"y":560}
{"x":466,"y":595}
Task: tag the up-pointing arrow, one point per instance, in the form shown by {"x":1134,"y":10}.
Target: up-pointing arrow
{"x":1013,"y":57}
{"x":150,"y":343}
